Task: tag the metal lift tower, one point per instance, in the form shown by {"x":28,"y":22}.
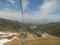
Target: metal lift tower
{"x":21,"y":43}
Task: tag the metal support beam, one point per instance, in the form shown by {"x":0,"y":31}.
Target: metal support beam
{"x":21,"y":43}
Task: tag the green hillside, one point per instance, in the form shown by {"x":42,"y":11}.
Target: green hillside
{"x":51,"y":28}
{"x":13,"y":25}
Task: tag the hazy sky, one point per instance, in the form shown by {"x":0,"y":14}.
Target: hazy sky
{"x":35,"y":11}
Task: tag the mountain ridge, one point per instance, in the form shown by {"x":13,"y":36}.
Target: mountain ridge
{"x":51,"y":28}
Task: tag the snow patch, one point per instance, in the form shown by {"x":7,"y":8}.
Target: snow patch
{"x":3,"y":41}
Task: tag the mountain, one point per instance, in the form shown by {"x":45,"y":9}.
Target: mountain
{"x":13,"y":25}
{"x":51,"y":28}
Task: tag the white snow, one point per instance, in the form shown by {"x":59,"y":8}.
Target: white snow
{"x":3,"y":33}
{"x":6,"y":34}
{"x":3,"y":41}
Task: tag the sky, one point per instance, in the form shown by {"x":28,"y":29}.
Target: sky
{"x":35,"y":11}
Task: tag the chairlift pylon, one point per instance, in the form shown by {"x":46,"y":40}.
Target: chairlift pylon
{"x":21,"y":43}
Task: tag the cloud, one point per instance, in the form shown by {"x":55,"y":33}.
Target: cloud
{"x":9,"y":9}
{"x":49,"y":7}
{"x":11,"y":15}
{"x":43,"y":15}
{"x":12,"y":1}
{"x":25,"y":4}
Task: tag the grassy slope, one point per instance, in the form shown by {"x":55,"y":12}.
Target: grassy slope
{"x":6,"y":29}
{"x":52,"y":28}
{"x":13,"y":25}
{"x":10,"y":24}
{"x":44,"y":41}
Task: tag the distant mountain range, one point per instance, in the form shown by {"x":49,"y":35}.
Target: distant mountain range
{"x":13,"y":24}
{"x":51,"y":28}
{"x":9,"y":23}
